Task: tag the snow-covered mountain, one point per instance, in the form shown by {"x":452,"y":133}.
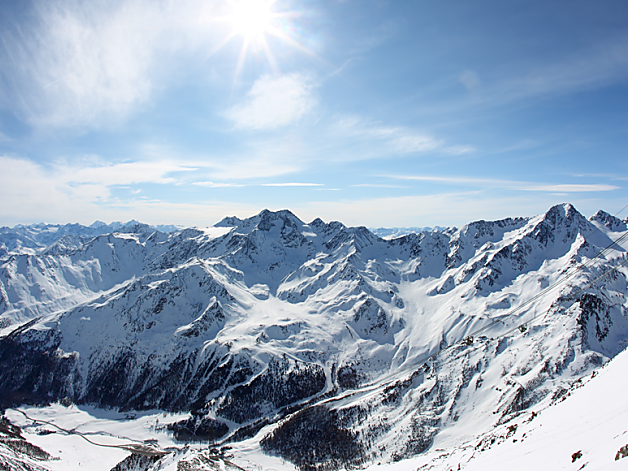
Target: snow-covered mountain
{"x":388,"y":233}
{"x":35,"y":238}
{"x":322,"y":344}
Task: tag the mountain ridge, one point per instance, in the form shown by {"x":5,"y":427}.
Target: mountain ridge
{"x":263,"y":318}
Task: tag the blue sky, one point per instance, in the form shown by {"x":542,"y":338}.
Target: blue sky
{"x":371,"y":112}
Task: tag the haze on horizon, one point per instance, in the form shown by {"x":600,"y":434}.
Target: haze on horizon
{"x":374,"y":112}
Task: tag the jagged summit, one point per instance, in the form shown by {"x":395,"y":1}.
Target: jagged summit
{"x":611,"y":222}
{"x":263,"y":220}
{"x":228,"y":221}
{"x":564,"y":214}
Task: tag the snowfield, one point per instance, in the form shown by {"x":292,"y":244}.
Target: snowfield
{"x":288,"y":345}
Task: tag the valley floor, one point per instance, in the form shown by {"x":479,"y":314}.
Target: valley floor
{"x":586,"y":429}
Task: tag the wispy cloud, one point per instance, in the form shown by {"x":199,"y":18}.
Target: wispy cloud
{"x":26,"y":180}
{"x":57,"y":193}
{"x":458,"y":180}
{"x":274,"y":102}
{"x":510,"y":184}
{"x":597,"y":66}
{"x":588,"y":69}
{"x":374,"y":185}
{"x":469,"y":79}
{"x":259,"y":163}
{"x":217,"y":184}
{"x":121,"y":173}
{"x":410,"y":143}
{"x":292,"y":184}
{"x":383,"y":33}
{"x":91,"y":63}
{"x":458,"y":150}
{"x":399,"y":140}
{"x":572,"y":188}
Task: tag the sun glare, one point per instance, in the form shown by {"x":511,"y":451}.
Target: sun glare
{"x":256,"y":21}
{"x":251,"y":18}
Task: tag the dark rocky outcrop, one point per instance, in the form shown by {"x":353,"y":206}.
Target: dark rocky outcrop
{"x":314,"y":440}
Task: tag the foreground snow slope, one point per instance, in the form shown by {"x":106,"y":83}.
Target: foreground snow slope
{"x":593,"y":423}
{"x":585,"y":428}
{"x":323,"y":345}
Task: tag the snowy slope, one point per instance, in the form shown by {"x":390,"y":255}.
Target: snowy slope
{"x":320,"y":333}
{"x":592,"y":423}
{"x":584,"y":428}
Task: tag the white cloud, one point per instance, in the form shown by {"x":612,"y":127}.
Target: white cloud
{"x":121,"y":173}
{"x":217,"y":185}
{"x":510,"y":184}
{"x":63,"y":192}
{"x":253,"y":166}
{"x":374,"y":185}
{"x":91,"y":63}
{"x":572,"y":188}
{"x":292,"y":184}
{"x":458,"y":150}
{"x":412,"y":143}
{"x":54,"y":194}
{"x":399,"y":140}
{"x":261,"y":159}
{"x":273,"y":102}
{"x":461,"y":180}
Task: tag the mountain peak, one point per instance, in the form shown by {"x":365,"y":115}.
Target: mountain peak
{"x":229,"y":221}
{"x":564,"y":213}
{"x":611,"y":222}
{"x":282,"y":213}
{"x":97,"y":224}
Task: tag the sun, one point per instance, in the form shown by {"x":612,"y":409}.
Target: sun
{"x":256,"y":22}
{"x":252,"y":18}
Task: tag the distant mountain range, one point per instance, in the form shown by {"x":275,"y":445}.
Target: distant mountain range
{"x":332,"y":346}
{"x":394,"y":232}
{"x":35,"y":238}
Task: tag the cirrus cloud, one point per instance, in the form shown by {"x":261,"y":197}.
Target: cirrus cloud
{"x":273,"y":102}
{"x":94,"y":63}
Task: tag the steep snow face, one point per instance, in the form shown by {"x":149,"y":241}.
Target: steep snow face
{"x":582,"y":428}
{"x":397,"y":345}
{"x":61,"y":277}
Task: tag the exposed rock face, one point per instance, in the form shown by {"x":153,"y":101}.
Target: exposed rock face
{"x":253,"y":320}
